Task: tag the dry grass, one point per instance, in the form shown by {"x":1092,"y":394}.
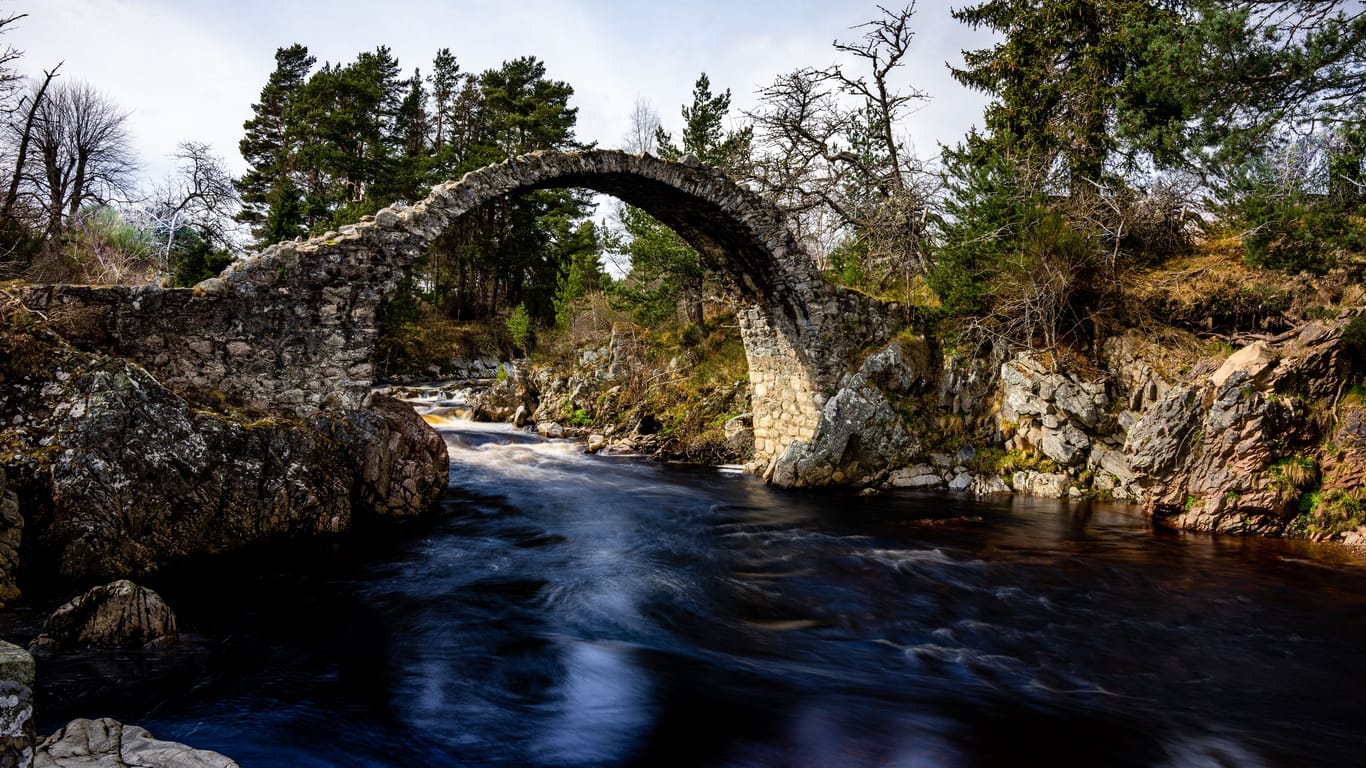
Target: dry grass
{"x":1211,"y":290}
{"x":1214,"y":292}
{"x":1215,"y":266}
{"x":1293,"y":476}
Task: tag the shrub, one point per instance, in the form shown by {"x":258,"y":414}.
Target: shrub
{"x":519,"y":326}
{"x":1354,"y":335}
{"x":1280,"y":200}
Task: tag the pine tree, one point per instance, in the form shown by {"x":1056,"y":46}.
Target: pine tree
{"x":412,"y":131}
{"x":269,"y":195}
{"x":1059,"y":75}
{"x":508,"y":252}
{"x":704,"y":133}
{"x":666,"y":272}
{"x":525,"y":111}
{"x":445,"y":81}
{"x":347,"y":117}
{"x":1234,"y":73}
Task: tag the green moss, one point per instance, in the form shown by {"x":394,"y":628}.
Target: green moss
{"x":1324,"y":514}
{"x":1355,"y":396}
{"x":36,"y":457}
{"x":995,"y":461}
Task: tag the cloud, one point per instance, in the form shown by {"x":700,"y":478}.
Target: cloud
{"x":190,"y":70}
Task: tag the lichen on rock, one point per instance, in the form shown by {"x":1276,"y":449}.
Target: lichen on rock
{"x":118,"y":475}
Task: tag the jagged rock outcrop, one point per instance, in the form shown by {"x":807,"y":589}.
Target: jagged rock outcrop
{"x":106,"y":743}
{"x":119,"y":475}
{"x":1260,"y":441}
{"x":1051,"y":412}
{"x":1344,"y":476}
{"x":1068,"y":420}
{"x":118,"y":614}
{"x":17,"y":734}
{"x":1217,"y":454}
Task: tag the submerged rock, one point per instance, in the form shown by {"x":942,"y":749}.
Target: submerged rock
{"x":106,"y":743}
{"x":120,"y":614}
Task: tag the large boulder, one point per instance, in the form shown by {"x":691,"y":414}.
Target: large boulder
{"x":120,"y":476}
{"x":860,"y":435}
{"x":106,"y":743}
{"x":1217,"y":454}
{"x":400,"y":461}
{"x":115,"y":615}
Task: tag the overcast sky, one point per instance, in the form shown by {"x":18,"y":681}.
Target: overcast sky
{"x":191,"y":69}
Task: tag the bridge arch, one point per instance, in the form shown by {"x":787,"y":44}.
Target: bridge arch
{"x":306,"y":337}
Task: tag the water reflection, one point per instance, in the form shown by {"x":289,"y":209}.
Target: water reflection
{"x":602,"y":708}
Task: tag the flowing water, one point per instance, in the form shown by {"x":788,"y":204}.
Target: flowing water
{"x":575,"y":610}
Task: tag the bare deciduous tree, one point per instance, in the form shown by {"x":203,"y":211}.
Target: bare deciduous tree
{"x":84,"y":153}
{"x":10,"y":80}
{"x":644,"y":125}
{"x":830,"y":153}
{"x":201,"y":195}
{"x":25,"y":134}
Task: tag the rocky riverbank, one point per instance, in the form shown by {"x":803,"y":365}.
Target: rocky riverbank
{"x":1266,"y":438}
{"x":81,"y":743}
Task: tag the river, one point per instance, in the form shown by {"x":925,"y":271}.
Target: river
{"x":576,"y":610}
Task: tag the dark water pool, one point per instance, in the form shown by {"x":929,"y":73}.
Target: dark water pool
{"x":571,"y":610}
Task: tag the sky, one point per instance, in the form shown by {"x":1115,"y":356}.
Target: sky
{"x":189,"y":70}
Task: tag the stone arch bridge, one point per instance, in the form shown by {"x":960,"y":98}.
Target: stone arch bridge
{"x":294,"y":327}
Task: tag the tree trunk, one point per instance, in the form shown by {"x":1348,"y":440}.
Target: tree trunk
{"x":13,"y":195}
{"x":56,"y":187}
{"x":78,"y":184}
{"x":694,"y":304}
